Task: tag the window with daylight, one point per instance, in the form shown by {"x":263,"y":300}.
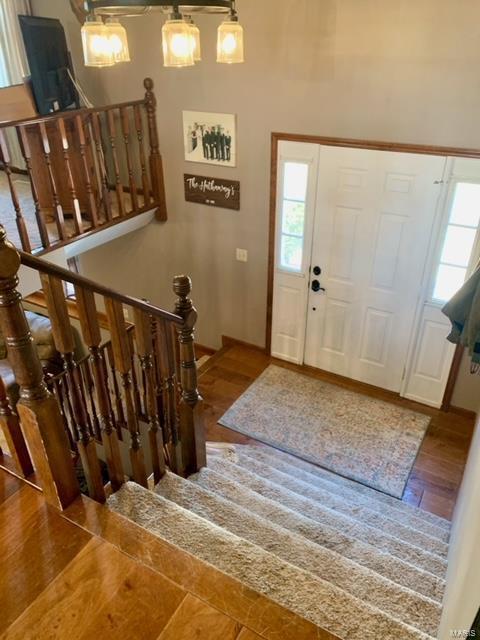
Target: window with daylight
{"x":295,"y":180}
{"x":459,"y":241}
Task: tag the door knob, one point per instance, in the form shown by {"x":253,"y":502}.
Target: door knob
{"x":316,"y":286}
{"x":317,"y":271}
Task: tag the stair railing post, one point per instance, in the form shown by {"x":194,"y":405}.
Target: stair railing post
{"x":12,"y":432}
{"x":37,"y":408}
{"x":156,"y":167}
{"x":192,"y":427}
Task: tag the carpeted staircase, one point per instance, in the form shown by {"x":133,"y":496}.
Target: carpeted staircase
{"x":353,"y":561}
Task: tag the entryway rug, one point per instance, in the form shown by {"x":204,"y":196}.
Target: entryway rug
{"x":362,"y":438}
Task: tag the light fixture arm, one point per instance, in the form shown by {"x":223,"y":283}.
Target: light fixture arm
{"x":175,"y":15}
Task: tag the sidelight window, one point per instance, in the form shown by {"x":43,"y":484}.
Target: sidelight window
{"x":459,"y":241}
{"x":295,"y":181}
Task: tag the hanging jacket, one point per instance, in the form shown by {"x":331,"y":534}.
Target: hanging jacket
{"x":463,"y":311}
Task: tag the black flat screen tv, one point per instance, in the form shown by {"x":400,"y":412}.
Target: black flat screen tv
{"x":49,"y":62}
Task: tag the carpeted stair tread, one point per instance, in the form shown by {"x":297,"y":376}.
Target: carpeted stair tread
{"x":399,"y":602}
{"x":301,"y":484}
{"x":322,"y":535}
{"x":312,"y":509}
{"x":399,"y":512}
{"x":356,"y":487}
{"x":325,"y":605}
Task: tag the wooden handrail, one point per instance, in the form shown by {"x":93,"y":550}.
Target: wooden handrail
{"x":88,"y":169}
{"x":70,"y":114}
{"x":73,"y":278}
{"x":144,"y":376}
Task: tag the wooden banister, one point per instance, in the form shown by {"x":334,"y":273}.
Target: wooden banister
{"x":144,"y":340}
{"x":83,"y":166}
{"x":123,"y":363}
{"x":21,"y":225}
{"x":65,"y":344}
{"x":142,"y":381}
{"x":38,"y":410}
{"x":156,"y":167}
{"x":92,"y":337}
{"x":76,"y":279}
{"x":13,"y":435}
{"x":70,"y":114}
{"x":192,"y":428}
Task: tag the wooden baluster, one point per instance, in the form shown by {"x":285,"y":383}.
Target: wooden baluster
{"x":126,"y":140}
{"x":116,"y":166}
{"x":123,"y":363}
{"x":90,"y":386}
{"x":120,"y":421}
{"x":160,"y":388}
{"x":91,"y":334}
{"x":38,"y":410}
{"x":59,"y":217}
{"x":21,"y":225}
{"x":143,"y":334}
{"x":77,"y":216}
{"x":91,"y":201}
{"x":111,"y":413}
{"x":27,"y":156}
{"x":102,"y":168}
{"x":165,"y":351}
{"x":156,"y":167}
{"x":141,"y":154}
{"x":192,"y":427}
{"x":65,"y":344}
{"x":136,"y":389}
{"x":57,"y":390}
{"x":13,"y":434}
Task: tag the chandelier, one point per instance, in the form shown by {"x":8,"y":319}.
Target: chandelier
{"x":105,"y":40}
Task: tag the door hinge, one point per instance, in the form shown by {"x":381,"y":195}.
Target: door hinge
{"x":404,"y":373}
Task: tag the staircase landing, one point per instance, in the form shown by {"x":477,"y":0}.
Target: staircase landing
{"x":89,"y":570}
{"x":438,"y":470}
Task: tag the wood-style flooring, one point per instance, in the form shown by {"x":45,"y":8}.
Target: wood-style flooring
{"x":437,"y":473}
{"x":88,"y":573}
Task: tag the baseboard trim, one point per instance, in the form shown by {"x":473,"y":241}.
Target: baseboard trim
{"x":208,"y":351}
{"x":228,"y":341}
{"x":468,"y":413}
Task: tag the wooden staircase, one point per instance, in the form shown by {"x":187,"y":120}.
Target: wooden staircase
{"x":88,"y":571}
{"x":146,"y":401}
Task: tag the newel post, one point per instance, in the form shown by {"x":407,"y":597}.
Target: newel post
{"x":192,"y":428}
{"x":38,"y":410}
{"x":156,"y":166}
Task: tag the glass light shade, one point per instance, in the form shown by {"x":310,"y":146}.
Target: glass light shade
{"x":97,"y":51}
{"x":195,"y":41}
{"x":117,"y":36}
{"x":230,"y":42}
{"x":177,"y":44}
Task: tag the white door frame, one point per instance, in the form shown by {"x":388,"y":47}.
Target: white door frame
{"x":276,"y":138}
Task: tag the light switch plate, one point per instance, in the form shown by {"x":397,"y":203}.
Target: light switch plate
{"x":242,"y":255}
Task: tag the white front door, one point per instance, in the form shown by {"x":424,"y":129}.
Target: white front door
{"x":374,"y":215}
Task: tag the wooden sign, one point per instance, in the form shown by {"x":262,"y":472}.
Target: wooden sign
{"x":212,"y":191}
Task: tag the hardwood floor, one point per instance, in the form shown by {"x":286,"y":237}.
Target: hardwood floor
{"x":88,"y":573}
{"x":437,"y":473}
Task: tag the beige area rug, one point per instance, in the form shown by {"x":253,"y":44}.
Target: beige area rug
{"x":362,"y":438}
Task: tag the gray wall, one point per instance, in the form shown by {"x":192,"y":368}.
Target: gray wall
{"x":402,"y":70}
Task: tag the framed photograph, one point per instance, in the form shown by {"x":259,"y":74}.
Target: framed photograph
{"x":210,"y":138}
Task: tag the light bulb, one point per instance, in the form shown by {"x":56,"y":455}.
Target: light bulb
{"x":230,"y":42}
{"x":117,"y":37}
{"x":97,"y":51}
{"x":177,"y":44}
